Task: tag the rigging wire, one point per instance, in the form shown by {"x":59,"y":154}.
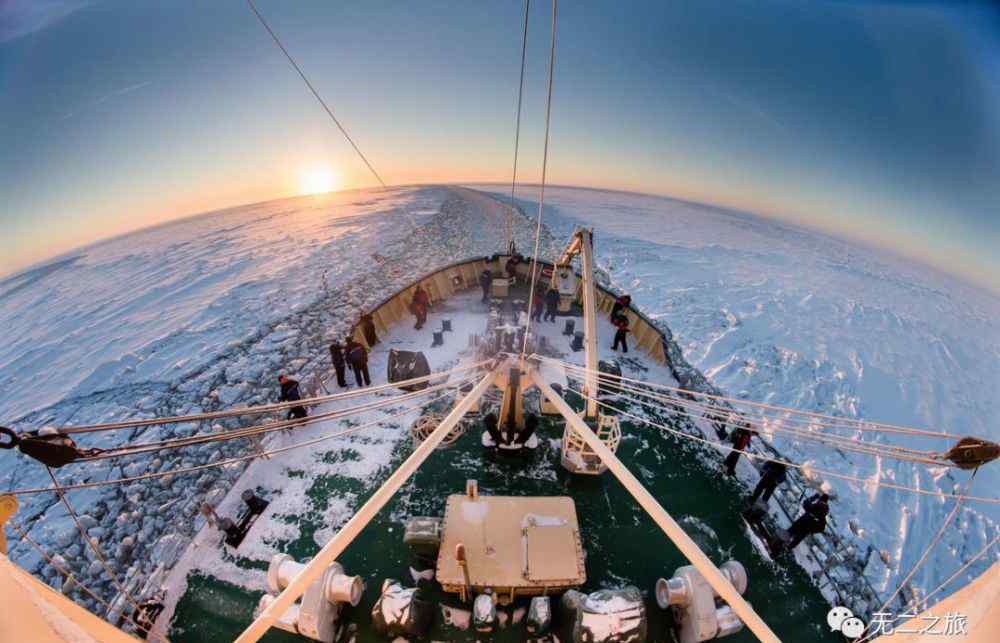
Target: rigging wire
{"x":315,"y":93}
{"x":223,"y":463}
{"x":23,"y":535}
{"x":849,"y":444}
{"x":251,"y":431}
{"x":90,"y":542}
{"x":923,"y":601}
{"x":927,"y":551}
{"x":265,"y":408}
{"x":806,"y":468}
{"x":723,"y":414}
{"x":541,"y":196}
{"x":517,"y":127}
{"x":861,"y":425}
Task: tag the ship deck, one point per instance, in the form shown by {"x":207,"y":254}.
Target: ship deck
{"x":214,"y":590}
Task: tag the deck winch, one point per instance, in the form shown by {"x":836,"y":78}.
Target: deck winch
{"x":317,"y":614}
{"x":699,"y":614}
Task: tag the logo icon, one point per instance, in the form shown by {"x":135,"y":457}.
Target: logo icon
{"x":840,"y":619}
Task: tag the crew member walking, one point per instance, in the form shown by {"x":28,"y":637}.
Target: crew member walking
{"x":337,"y":357}
{"x":621,"y":323}
{"x":290,"y":393}
{"x":419,"y":306}
{"x":551,"y":304}
{"x":812,"y":521}
{"x":741,"y":440}
{"x":357,"y":357}
{"x":771,"y":475}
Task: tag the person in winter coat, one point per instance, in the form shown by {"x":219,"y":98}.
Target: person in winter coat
{"x":337,"y":357}
{"x":771,"y":475}
{"x":537,"y":305}
{"x":621,"y":305}
{"x":812,"y":521}
{"x":551,"y":304}
{"x":741,"y":440}
{"x":357,"y":357}
{"x":511,"y":268}
{"x":368,"y":328}
{"x":486,"y":283}
{"x":421,"y":300}
{"x":621,"y":323}
{"x":290,"y":393}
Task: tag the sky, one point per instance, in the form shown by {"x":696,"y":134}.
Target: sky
{"x":875,"y":121}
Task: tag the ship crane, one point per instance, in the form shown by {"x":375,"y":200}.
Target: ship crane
{"x":577,"y":455}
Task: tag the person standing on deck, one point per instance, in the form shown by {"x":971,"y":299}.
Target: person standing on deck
{"x":357,"y":357}
{"x":741,"y":440}
{"x":368,"y":328}
{"x":621,"y":305}
{"x":290,"y":393}
{"x":812,"y":521}
{"x":511,"y":268}
{"x":418,"y":306}
{"x":486,"y":283}
{"x":551,"y":304}
{"x":537,"y":304}
{"x":771,"y":475}
{"x":337,"y":357}
{"x":621,"y":323}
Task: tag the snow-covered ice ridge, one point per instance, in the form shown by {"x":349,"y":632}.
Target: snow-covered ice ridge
{"x":194,"y":316}
{"x":775,"y":313}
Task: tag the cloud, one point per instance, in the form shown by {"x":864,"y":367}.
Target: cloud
{"x":22,"y":17}
{"x":107,"y":97}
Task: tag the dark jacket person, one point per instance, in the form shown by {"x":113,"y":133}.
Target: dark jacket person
{"x":290,"y":393}
{"x":357,"y":357}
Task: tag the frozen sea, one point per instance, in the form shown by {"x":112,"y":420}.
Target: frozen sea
{"x":204,"y":312}
{"x":775,"y":313}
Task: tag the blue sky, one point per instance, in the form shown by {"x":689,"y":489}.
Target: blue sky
{"x":878,"y":121}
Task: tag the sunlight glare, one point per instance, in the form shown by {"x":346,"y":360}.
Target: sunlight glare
{"x":318,"y":179}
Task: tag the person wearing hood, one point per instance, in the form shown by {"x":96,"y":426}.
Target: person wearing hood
{"x":339,"y":365}
{"x":290,"y":393}
{"x":357,"y":356}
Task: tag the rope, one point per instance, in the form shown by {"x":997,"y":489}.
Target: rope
{"x":314,"y":92}
{"x":220,"y":463}
{"x":23,"y":535}
{"x":266,"y":408}
{"x":541,"y":196}
{"x":927,"y":550}
{"x":860,"y":425}
{"x":968,"y":563}
{"x":517,"y":127}
{"x":251,"y":431}
{"x":90,"y":543}
{"x":846,"y":443}
{"x":757,"y":456}
{"x":724,"y":414}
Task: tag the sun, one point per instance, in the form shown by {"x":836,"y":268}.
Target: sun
{"x":318,"y":179}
